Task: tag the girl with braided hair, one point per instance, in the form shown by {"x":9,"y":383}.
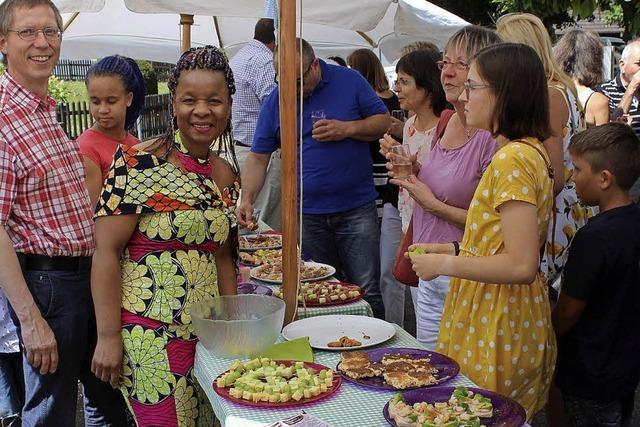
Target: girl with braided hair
{"x":115,"y":87}
{"x":165,"y":239}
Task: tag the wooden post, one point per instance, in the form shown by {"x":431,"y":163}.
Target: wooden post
{"x":288,"y":142}
{"x":186,"y":21}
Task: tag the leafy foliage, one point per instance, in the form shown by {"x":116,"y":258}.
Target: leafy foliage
{"x":625,"y":13}
{"x":554,"y":13}
{"x":60,"y":90}
{"x":150,"y":77}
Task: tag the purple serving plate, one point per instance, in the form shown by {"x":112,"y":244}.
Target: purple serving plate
{"x":254,"y":288}
{"x":506,"y":412}
{"x":447,"y":367}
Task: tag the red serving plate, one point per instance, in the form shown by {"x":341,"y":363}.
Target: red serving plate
{"x":337,"y":381}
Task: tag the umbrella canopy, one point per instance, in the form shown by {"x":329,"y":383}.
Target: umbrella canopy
{"x":150,"y":29}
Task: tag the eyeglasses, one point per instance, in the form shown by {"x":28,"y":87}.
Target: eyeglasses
{"x":304,"y":75}
{"x":469,"y":86}
{"x":459,"y":65}
{"x":30,"y":34}
{"x":402,"y":82}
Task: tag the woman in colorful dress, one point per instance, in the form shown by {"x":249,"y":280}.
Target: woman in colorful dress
{"x":496,"y":321}
{"x":566,"y":120}
{"x":115,"y":87}
{"x":165,"y":238}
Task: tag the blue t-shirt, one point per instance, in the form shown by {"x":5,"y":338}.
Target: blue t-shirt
{"x":337,"y":176}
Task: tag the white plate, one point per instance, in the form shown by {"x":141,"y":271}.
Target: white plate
{"x":275,"y":246}
{"x":323,"y":329}
{"x":329,"y":273}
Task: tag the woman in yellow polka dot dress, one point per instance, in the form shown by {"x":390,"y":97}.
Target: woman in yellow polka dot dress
{"x":496,"y":321}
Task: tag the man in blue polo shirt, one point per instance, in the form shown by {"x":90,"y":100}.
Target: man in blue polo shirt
{"x":340,"y":222}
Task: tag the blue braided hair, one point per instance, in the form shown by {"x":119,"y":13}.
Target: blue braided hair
{"x":129,"y":72}
{"x":204,"y":58}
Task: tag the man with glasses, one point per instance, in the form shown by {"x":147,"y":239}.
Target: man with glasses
{"x":46,"y":237}
{"x":255,"y":79}
{"x":340,"y":222}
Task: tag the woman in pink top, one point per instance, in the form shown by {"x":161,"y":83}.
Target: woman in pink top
{"x":449,"y":175}
{"x":116,"y":97}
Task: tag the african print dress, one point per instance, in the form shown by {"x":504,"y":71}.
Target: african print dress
{"x":501,"y":334}
{"x":168,"y":265}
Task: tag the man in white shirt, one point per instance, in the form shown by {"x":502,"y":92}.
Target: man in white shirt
{"x":254,"y":74}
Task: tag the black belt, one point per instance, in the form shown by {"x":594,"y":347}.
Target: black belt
{"x":54,"y":263}
{"x":241,"y":144}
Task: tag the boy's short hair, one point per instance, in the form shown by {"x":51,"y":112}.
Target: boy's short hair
{"x":612,"y":146}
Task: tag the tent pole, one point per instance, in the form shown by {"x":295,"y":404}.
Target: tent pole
{"x":70,"y":21}
{"x":288,"y":142}
{"x":186,"y":21}
{"x":216,"y":26}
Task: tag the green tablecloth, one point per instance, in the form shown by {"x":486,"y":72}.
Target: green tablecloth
{"x":358,"y":308}
{"x":351,"y":406}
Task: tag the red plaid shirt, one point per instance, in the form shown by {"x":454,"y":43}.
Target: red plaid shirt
{"x":44,"y":203}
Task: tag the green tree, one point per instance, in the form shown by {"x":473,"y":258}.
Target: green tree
{"x":150,"y":77}
{"x":625,"y":13}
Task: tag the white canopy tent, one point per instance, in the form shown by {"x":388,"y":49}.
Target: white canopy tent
{"x":333,"y":27}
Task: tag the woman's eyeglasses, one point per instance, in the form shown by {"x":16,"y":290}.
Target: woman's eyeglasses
{"x":469,"y":86}
{"x":459,"y":65}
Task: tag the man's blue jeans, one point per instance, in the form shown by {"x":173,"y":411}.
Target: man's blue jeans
{"x":64,"y":299}
{"x":349,"y":241}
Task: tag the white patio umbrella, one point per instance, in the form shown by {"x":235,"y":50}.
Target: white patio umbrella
{"x":415,"y":18}
{"x":103,"y":28}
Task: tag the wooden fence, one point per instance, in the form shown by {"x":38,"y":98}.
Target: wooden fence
{"x":75,"y":117}
{"x":72,"y":70}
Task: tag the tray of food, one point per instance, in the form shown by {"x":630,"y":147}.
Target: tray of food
{"x":260,"y":257}
{"x":397,"y":368}
{"x":453,"y":406}
{"x":253,"y":242}
{"x":325,"y":293}
{"x":340,"y":331}
{"x":309,"y":271}
{"x":270,"y":383}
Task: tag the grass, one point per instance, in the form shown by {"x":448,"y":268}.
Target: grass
{"x":79,"y":91}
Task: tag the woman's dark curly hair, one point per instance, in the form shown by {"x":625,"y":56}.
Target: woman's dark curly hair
{"x":204,"y":58}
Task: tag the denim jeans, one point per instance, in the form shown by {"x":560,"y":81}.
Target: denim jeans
{"x":64,"y":299}
{"x":582,"y":412}
{"x":393,"y":292}
{"x":431,"y":297}
{"x":349,"y":241}
{"x":11,"y":385}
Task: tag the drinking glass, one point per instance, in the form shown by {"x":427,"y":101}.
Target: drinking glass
{"x":255,"y":219}
{"x":401,"y":162}
{"x":317,"y":115}
{"x":398,"y":114}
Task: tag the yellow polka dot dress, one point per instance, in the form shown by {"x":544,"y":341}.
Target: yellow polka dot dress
{"x":501,"y":335}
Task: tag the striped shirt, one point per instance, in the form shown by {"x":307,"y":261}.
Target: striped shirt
{"x":44,"y":202}
{"x":614,"y":90}
{"x":255,"y":79}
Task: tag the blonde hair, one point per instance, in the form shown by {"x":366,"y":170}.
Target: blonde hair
{"x":471,"y":39}
{"x":528,"y":29}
